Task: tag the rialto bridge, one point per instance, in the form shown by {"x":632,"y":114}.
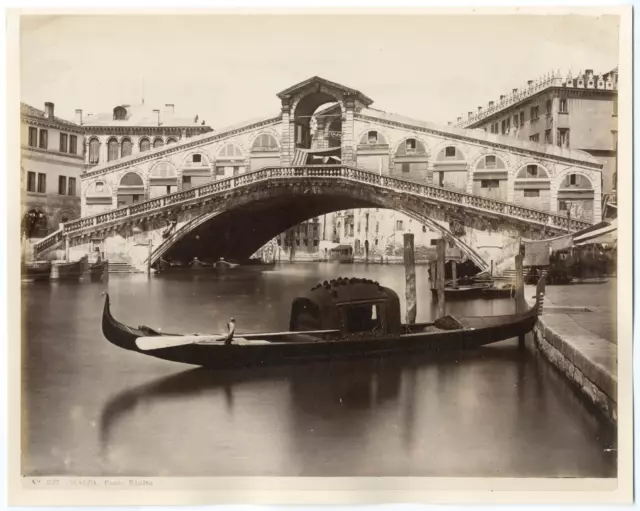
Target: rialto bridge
{"x":328,"y":150}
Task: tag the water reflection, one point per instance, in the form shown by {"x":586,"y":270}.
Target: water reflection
{"x":94,"y":409}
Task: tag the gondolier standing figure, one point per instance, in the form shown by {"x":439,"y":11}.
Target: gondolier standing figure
{"x":231,"y":325}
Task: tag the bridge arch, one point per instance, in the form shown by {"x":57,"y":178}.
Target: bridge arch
{"x":226,"y":222}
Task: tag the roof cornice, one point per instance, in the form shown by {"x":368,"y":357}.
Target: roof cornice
{"x":47,"y":123}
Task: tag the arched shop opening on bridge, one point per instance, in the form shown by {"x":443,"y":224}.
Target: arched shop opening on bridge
{"x":576,"y":196}
{"x":98,"y":197}
{"x":163,"y":179}
{"x":130,"y":189}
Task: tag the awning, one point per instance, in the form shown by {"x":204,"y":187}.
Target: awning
{"x":342,"y":247}
{"x":607,"y":232}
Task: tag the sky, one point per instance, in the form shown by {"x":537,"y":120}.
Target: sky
{"x":228,"y":69}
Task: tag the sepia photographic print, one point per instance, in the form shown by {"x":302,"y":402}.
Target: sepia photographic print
{"x":320,"y":256}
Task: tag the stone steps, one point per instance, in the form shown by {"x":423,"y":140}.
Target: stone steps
{"x":122,"y":268}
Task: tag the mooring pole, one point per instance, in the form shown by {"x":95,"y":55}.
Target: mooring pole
{"x":520,"y":301}
{"x":454,"y":274}
{"x":491,"y":274}
{"x":149,"y":258}
{"x":410,"y":276}
{"x":440,"y":248}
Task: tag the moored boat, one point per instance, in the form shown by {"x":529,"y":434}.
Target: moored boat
{"x":37,"y":270}
{"x":98,"y":269}
{"x":343,"y":318}
{"x":69,"y":271}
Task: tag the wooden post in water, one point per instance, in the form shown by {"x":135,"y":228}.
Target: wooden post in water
{"x":491,"y":274}
{"x":521,"y":304}
{"x":410,"y":276}
{"x":454,"y":274}
{"x":149,"y":258}
{"x":440,"y":249}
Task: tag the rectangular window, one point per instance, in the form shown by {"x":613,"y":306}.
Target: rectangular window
{"x":490,"y":161}
{"x":186,"y":182}
{"x":433,"y":242}
{"x":563,"y":138}
{"x":73,"y":144}
{"x":219,"y":171}
{"x":515,"y":121}
{"x":64,"y":143}
{"x":62,"y":185}
{"x":535,"y":113}
{"x":450,"y":152}
{"x":549,"y":106}
{"x":562,"y":205}
{"x":411,"y":144}
{"x":532,"y":193}
{"x":31,"y":181}
{"x":72,"y":187}
{"x":42,"y":183}
{"x":406,"y":167}
{"x":490,"y":183}
{"x":504,"y":127}
{"x":547,"y":137}
{"x":573,"y":179}
{"x":197,"y":158}
{"x":44,"y":139}
{"x":236,"y":171}
{"x":373,"y":137}
{"x":398,"y":225}
{"x":532,"y":171}
{"x":563,"y":106}
{"x":136,"y":198}
{"x":440,"y":178}
{"x":534,"y":138}
{"x":508,"y":125}
{"x":33,"y":137}
{"x":522,"y":118}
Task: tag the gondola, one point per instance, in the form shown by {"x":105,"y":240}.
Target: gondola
{"x":37,"y":270}
{"x":486,"y":291}
{"x":343,"y":318}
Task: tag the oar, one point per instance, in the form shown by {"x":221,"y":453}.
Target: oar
{"x":171,"y":341}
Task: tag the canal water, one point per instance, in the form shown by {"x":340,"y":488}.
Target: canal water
{"x":92,"y":409}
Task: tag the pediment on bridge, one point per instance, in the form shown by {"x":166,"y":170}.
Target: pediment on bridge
{"x":317,"y":84}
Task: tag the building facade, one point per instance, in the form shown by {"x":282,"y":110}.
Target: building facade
{"x":52,"y":164}
{"x":569,"y":112}
{"x":131,"y":129}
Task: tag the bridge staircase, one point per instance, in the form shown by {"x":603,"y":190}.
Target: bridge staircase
{"x":428,"y":193}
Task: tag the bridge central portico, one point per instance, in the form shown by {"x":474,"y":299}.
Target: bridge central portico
{"x":263,"y":177}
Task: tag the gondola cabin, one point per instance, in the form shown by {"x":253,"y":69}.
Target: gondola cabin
{"x":352,"y":306}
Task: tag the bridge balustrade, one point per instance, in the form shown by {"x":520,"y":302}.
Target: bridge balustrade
{"x":319,"y":171}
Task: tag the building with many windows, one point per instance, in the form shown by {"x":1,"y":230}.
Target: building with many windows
{"x":577,"y":112}
{"x":132,"y":129}
{"x":51,"y":166}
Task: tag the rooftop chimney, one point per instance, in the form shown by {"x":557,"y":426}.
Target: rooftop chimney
{"x":169,"y":108}
{"x":157,"y":112}
{"x":491,"y":103}
{"x":530,"y":83}
{"x":48,"y":110}
{"x":501,"y":97}
{"x":514,"y":90}
{"x":479,"y":109}
{"x":79,"y":116}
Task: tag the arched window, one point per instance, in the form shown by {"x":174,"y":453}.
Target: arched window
{"x":119,"y":113}
{"x":265,"y":142}
{"x":171,"y":141}
{"x":145,"y":145}
{"x":157,"y":143}
{"x":576,"y":181}
{"x":163,"y":170}
{"x":94,"y":150}
{"x":411,"y":146}
{"x":112,"y":149}
{"x":131,"y":179}
{"x":230,"y":151}
{"x":127,"y":147}
{"x":532,"y":171}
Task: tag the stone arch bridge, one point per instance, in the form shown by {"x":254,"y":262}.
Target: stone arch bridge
{"x":246,"y":211}
{"x":329,"y":150}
